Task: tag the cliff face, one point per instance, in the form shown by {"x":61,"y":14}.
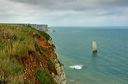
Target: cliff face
{"x":27,"y":56}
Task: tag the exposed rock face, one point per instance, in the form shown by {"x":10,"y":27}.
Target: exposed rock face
{"x":60,"y":78}
{"x":27,"y":56}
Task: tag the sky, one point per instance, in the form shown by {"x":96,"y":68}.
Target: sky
{"x":65,"y":12}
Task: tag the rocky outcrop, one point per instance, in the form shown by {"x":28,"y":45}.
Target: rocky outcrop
{"x":60,"y":78}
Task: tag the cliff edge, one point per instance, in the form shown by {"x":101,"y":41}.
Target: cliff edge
{"x":27,"y":56}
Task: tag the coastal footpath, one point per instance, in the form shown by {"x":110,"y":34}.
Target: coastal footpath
{"x":27,"y":56}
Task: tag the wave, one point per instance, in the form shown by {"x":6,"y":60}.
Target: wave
{"x":78,"y":67}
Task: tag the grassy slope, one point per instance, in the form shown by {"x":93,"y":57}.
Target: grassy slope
{"x":26,"y":57}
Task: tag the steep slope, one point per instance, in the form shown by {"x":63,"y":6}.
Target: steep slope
{"x":27,"y":56}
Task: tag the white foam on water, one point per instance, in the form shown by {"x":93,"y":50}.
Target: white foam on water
{"x":78,"y":67}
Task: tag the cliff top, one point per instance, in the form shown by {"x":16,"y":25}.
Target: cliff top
{"x":26,"y":55}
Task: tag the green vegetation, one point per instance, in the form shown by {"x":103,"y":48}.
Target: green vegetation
{"x":17,"y":44}
{"x":45,"y":35}
{"x":43,"y":76}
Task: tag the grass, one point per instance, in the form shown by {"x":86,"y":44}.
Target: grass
{"x":15,"y":42}
{"x":43,"y":76}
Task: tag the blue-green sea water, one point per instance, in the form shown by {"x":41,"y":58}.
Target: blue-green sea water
{"x":109,"y":66}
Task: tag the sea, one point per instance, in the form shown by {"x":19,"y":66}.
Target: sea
{"x":74,"y":49}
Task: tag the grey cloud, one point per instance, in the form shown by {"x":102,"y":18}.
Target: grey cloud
{"x":77,"y":5}
{"x":10,"y":11}
{"x":56,"y":12}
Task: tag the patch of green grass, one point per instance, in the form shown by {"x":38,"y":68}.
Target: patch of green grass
{"x":45,"y":35}
{"x":43,"y":76}
{"x":15,"y":40}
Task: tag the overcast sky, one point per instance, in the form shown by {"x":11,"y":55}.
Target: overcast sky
{"x":66,"y":12}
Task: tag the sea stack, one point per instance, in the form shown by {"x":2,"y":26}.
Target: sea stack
{"x":94,"y":46}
